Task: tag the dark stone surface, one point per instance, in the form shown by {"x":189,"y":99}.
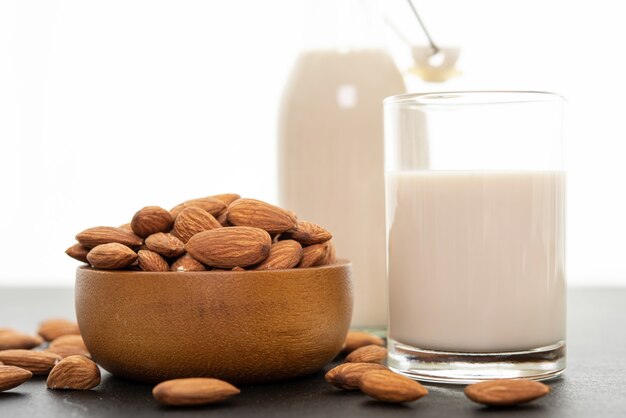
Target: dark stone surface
{"x":593,"y":385}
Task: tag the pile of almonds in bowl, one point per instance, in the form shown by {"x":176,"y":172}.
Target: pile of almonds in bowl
{"x":219,"y":232}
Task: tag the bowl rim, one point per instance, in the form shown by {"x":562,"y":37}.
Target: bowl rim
{"x":340,"y":263}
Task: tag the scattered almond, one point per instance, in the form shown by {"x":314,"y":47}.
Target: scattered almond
{"x":112,"y":256}
{"x":347,"y":376}
{"x":283,"y":255}
{"x":208,"y":204}
{"x":258,"y":214}
{"x":356,"y":339}
{"x":74,"y":372}
{"x":312,"y":255}
{"x":308,"y":233}
{"x":166,"y":245}
{"x":150,"y":220}
{"x":54,"y":328}
{"x":386,"y":386}
{"x":187,"y":263}
{"x":193,"y":391}
{"x":237,"y":268}
{"x":92,"y":237}
{"x":368,"y":354}
{"x":235,"y":246}
{"x":69,"y":345}
{"x":78,"y":252}
{"x":11,"y":376}
{"x":192,"y":221}
{"x":37,"y":362}
{"x":151,"y":261}
{"x":505,"y":392}
{"x":14,"y":339}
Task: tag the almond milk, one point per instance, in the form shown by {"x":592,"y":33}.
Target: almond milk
{"x":331,"y":161}
{"x":476,"y":260}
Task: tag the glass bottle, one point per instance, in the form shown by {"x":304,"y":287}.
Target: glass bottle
{"x":331,"y":169}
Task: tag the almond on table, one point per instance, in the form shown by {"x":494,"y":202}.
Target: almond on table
{"x":347,"y":376}
{"x":368,"y":354}
{"x":11,"y":376}
{"x":356,"y":339}
{"x":37,"y":362}
{"x":386,"y":386}
{"x":74,"y":372}
{"x":506,"y":392}
{"x":10,"y":338}
{"x":54,"y":328}
{"x":193,"y":391}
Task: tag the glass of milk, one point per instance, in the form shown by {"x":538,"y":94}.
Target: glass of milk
{"x":475,"y":200}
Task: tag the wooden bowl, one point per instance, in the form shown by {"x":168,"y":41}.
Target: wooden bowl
{"x":240,"y":326}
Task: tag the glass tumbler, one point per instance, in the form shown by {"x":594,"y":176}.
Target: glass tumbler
{"x":475,"y":193}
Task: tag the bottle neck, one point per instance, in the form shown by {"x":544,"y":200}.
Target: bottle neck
{"x":342,"y":25}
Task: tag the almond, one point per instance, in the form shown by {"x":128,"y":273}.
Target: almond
{"x":187,"y":263}
{"x":14,"y":339}
{"x":74,"y":372}
{"x":356,"y":339}
{"x":112,"y":256}
{"x":223,"y":219}
{"x":126,"y":227}
{"x":283,"y":255}
{"x":227,"y":198}
{"x":37,"y":362}
{"x":165,"y":244}
{"x":313,"y":255}
{"x":69,"y":345}
{"x":255,"y":213}
{"x":151,"y":261}
{"x":193,"y":391}
{"x":193,"y":220}
{"x":506,"y":392}
{"x":150,"y":220}
{"x":208,"y":204}
{"x":235,"y":246}
{"x":307,"y":233}
{"x":54,"y":328}
{"x":368,"y":354}
{"x":386,"y":386}
{"x":347,"y":376}
{"x":329,"y":255}
{"x":78,"y":252}
{"x":237,"y":268}
{"x":92,"y":237}
{"x":11,"y":376}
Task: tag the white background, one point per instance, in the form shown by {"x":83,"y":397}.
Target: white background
{"x":106,"y":107}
